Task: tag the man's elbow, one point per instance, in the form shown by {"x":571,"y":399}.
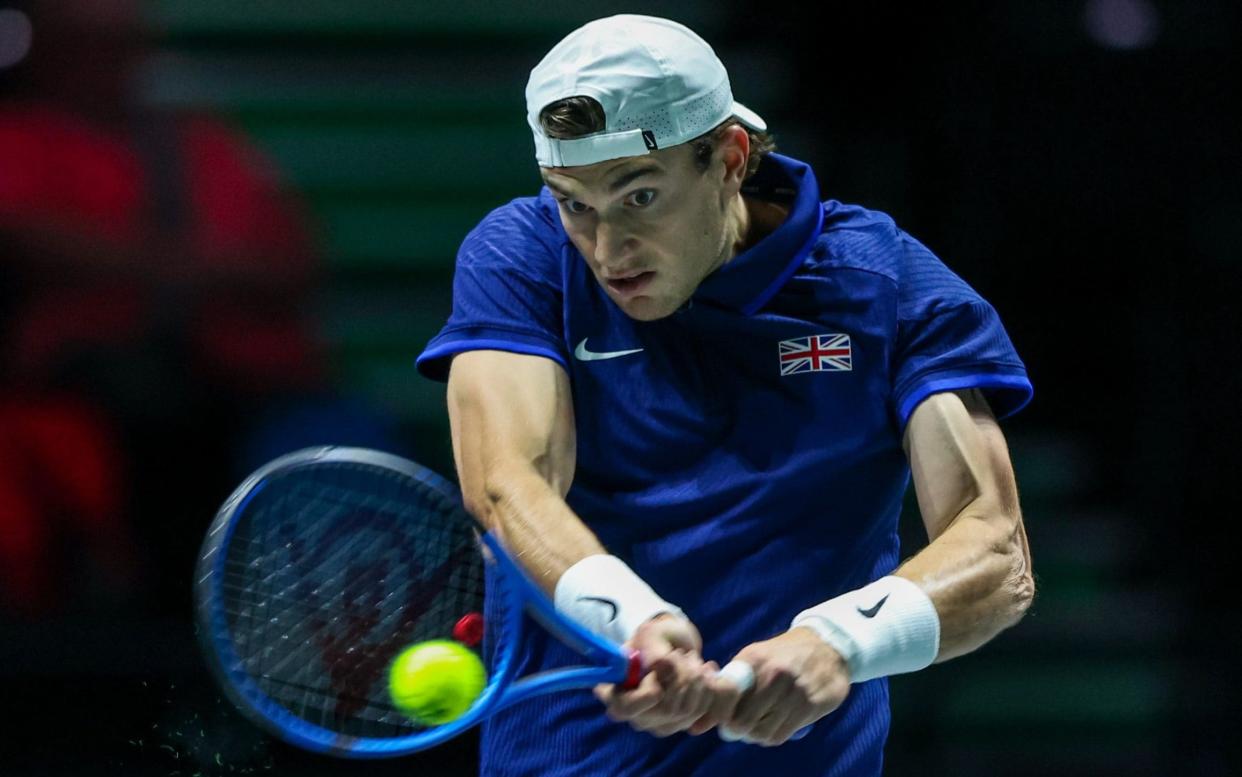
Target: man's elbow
{"x":485,"y":495}
{"x":1020,"y":582}
{"x":482,"y":499}
{"x":1020,"y":595}
{"x":1011,"y":584}
{"x":475,"y":501}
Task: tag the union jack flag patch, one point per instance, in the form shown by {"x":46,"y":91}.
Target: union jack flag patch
{"x":817,"y":353}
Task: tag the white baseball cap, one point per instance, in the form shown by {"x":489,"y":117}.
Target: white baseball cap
{"x":659,"y":83}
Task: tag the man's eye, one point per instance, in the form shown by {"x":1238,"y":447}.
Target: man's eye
{"x":573,"y":206}
{"x":643,"y":197}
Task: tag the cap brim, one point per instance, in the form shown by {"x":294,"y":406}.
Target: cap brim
{"x":749,"y":117}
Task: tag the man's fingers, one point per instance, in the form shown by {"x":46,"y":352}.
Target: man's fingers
{"x":675,"y":694}
{"x":792,"y":725}
{"x":725,"y":693}
{"x":624,"y":704}
{"x":698,"y":699}
{"x":663,"y":689}
{"x":704,"y":694}
{"x":764,"y":700}
{"x":680,"y":674}
{"x":694,"y":696}
{"x":676,"y":667}
{"x":678,"y":693}
{"x":764,"y":732}
{"x":664,"y":730}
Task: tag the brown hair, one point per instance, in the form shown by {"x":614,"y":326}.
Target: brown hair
{"x":575,"y":117}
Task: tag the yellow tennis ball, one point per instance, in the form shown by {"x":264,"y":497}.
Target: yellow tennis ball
{"x":435,"y":682}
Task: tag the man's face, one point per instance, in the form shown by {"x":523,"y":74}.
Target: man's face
{"x":651,"y":227}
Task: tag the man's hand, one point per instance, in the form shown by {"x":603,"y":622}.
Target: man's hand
{"x":799,"y":679}
{"x":677,"y":690}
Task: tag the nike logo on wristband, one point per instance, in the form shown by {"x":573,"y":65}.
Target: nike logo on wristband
{"x":608,"y":602}
{"x":871,"y":611}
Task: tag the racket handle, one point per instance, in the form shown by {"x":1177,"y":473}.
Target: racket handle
{"x":741,"y":674}
{"x":634,"y":670}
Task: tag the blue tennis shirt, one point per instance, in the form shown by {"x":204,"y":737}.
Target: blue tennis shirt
{"x":747,"y":461}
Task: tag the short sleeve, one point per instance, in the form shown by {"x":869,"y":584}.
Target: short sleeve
{"x":948,"y":339}
{"x":507,"y":292}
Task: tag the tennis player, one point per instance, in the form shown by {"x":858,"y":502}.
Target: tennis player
{"x":689,"y":396}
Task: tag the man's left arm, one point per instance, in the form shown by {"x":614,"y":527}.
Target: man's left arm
{"x":977,"y":568}
{"x":971,"y":582}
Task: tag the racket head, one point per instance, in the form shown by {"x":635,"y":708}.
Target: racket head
{"x":316,"y":572}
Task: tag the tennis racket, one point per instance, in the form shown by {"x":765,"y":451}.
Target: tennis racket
{"x":326,"y":563}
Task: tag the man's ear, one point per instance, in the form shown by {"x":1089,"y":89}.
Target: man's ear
{"x":733,"y":146}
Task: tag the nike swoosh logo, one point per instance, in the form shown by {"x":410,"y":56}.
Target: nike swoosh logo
{"x":583,"y":355}
{"x":608,"y":602}
{"x":871,"y":611}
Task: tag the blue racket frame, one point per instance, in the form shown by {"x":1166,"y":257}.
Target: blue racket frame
{"x":520,"y":596}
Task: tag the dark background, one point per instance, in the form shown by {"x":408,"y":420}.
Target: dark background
{"x":1074,"y":161}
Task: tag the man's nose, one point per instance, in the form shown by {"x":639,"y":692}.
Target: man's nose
{"x":613,"y":247}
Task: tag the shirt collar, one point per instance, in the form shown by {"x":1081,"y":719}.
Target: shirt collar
{"x":747,"y":281}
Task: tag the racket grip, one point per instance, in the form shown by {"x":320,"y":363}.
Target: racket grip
{"x":634,"y":670}
{"x":741,"y":674}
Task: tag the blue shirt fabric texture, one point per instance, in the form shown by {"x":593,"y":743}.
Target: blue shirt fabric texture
{"x":748,"y":461}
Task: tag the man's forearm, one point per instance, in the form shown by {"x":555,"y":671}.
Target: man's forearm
{"x":564,"y":556}
{"x":977,"y":574}
{"x":514,"y":446}
{"x":532,"y":520}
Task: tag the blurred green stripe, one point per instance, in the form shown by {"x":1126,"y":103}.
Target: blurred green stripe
{"x":474,"y":18}
{"x":360,"y":87}
{"x":388,"y":320}
{"x":397,"y":155}
{"x":395,"y":385}
{"x":396,"y":234}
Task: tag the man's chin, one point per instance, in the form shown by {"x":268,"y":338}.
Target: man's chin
{"x":646,"y":308}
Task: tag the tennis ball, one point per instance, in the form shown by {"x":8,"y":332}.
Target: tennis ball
{"x":434,"y":682}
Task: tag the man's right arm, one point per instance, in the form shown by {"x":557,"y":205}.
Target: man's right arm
{"x":514,"y":445}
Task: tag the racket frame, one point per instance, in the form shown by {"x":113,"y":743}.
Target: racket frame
{"x":520,"y":596}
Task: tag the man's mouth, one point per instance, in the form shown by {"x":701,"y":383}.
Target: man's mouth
{"x":630,"y":285}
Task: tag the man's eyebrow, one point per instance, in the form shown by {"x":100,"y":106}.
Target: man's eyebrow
{"x":556,"y":188}
{"x":629,"y":177}
{"x":620,"y":183}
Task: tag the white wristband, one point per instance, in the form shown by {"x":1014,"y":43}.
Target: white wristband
{"x":887,"y":627}
{"x":604,"y":595}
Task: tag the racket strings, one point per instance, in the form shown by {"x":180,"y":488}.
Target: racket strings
{"x":329,"y":577}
